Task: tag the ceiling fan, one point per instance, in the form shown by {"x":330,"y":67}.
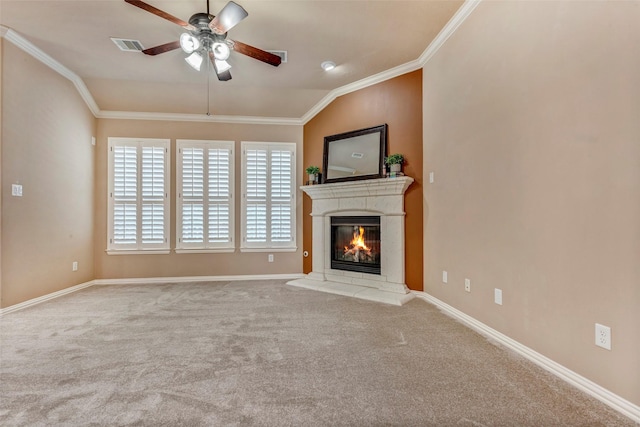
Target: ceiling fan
{"x":206,"y":36}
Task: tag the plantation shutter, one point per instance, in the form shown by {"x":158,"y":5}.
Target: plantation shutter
{"x":153,"y":193}
{"x":219,"y":195}
{"x":281,"y":195}
{"x":192,"y":195}
{"x":256,"y":195}
{"x":138,"y":194}
{"x":125,"y":195}
{"x":205,"y":186}
{"x":269,"y":195}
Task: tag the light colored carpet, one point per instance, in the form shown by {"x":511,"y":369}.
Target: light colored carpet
{"x":266,"y":354}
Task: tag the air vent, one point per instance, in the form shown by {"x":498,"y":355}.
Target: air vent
{"x":281,"y":53}
{"x":128,"y":45}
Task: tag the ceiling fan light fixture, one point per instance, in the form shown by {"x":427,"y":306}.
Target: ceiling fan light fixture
{"x":221,"y":66}
{"x":221,"y":51}
{"x":195,"y":60}
{"x":189,"y":43}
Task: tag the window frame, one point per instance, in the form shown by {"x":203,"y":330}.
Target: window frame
{"x":269,"y":245}
{"x":139,"y":247}
{"x":205,"y":246}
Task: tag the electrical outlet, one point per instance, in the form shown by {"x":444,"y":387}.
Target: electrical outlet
{"x":497,"y":296}
{"x":74,"y":266}
{"x":16,"y":190}
{"x":467,"y":285}
{"x":445,"y":276}
{"x":603,"y":336}
{"x":270,"y":258}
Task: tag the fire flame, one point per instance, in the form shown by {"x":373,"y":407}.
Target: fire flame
{"x":357,"y":245}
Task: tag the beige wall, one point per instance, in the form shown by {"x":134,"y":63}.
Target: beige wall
{"x":397,"y":102}
{"x":46,"y":147}
{"x":532,"y":127}
{"x":1,"y":187}
{"x":174,"y":265}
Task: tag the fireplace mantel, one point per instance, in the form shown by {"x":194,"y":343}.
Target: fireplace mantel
{"x":365,"y":188}
{"x":382,"y":197}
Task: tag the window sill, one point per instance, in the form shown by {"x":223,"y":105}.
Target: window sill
{"x":205,"y":251}
{"x":276,"y":249}
{"x":138,"y":252}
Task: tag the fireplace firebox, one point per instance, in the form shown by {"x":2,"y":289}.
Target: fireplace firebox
{"x":355,"y":243}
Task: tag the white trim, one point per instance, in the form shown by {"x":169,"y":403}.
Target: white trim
{"x":137,"y":252}
{"x":45,"y":298}
{"x":458,"y":18}
{"x":435,"y":45}
{"x":189,"y":279}
{"x":602,"y":394}
{"x":274,"y":249}
{"x":38,"y":54}
{"x":177,"y":117}
{"x":360,"y":84}
{"x":205,"y":251}
{"x":447,"y":31}
{"x":153,"y":280}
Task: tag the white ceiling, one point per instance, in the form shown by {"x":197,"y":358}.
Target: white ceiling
{"x":362,"y":37}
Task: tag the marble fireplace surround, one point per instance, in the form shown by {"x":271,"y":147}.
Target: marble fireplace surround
{"x":373,"y":197}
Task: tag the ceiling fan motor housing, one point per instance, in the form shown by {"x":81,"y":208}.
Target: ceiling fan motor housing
{"x":203,"y":32}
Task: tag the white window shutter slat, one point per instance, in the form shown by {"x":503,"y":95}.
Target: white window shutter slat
{"x":269,"y":195}
{"x":192,"y":223}
{"x":138,"y":203}
{"x":206,"y":183}
{"x":124,"y":223}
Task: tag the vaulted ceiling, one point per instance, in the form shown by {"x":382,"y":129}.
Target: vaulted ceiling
{"x":363,"y":38}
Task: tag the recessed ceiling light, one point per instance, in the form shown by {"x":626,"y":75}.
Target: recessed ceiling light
{"x":328,"y":65}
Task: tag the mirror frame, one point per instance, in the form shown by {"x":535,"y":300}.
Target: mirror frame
{"x":345,"y":138}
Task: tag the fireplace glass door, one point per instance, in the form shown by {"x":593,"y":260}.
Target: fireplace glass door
{"x":355,"y":243}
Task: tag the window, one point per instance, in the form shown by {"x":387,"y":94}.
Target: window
{"x":138,"y":193}
{"x":268,"y":202}
{"x":205,"y":183}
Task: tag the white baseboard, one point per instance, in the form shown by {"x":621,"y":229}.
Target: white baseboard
{"x":39,"y":300}
{"x":602,"y":394}
{"x":185,"y":279}
{"x":152,"y":280}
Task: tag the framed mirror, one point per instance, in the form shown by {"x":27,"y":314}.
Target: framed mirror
{"x":354,"y":155}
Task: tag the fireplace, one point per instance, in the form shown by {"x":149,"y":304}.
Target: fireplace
{"x":355,"y":243}
{"x":339,"y":210}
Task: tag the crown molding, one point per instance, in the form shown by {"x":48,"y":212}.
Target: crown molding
{"x":447,"y":31}
{"x":176,"y":117}
{"x":360,"y":84}
{"x":38,"y":54}
{"x":458,"y":18}
{"x":435,"y":45}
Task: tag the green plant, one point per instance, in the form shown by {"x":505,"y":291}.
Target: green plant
{"x":312,"y":170}
{"x":394,"y":159}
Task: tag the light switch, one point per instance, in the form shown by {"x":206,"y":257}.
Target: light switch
{"x":431,"y":178}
